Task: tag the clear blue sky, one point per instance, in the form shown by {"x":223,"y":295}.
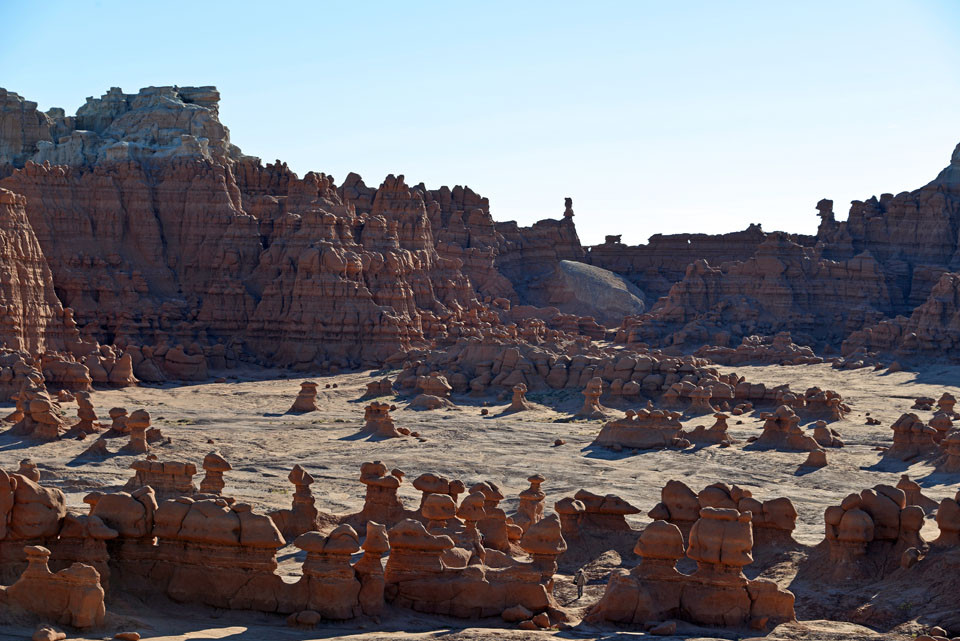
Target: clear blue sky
{"x":654,"y":116}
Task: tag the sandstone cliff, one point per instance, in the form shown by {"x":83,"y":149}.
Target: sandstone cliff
{"x":166,"y":241}
{"x":932,"y":330}
{"x":32,"y":316}
{"x":154,"y":236}
{"x":784,"y":286}
{"x":914,"y":235}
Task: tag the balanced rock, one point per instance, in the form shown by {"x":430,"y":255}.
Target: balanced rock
{"x":381,"y":503}
{"x":591,"y":400}
{"x":532,"y":499}
{"x":138,"y":423}
{"x":306,"y":400}
{"x":377,"y":421}
{"x":214,"y":465}
{"x":303,"y":515}
{"x":519,"y":402}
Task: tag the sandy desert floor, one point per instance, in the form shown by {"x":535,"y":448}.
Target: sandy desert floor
{"x":246,"y":420}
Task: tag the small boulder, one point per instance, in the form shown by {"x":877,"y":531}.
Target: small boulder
{"x":48,"y":633}
{"x":516,"y":614}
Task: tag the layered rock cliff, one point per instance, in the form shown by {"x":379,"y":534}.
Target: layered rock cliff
{"x":32,"y":315}
{"x":881,"y":281}
{"x":914,"y":235}
{"x":166,"y":241}
{"x":931,"y":331}
{"x":138,"y":229}
{"x":657,"y":265}
{"x":783,"y":286}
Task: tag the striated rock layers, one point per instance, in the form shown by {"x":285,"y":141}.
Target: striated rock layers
{"x":32,"y":315}
{"x":784,"y":286}
{"x":141,"y":244}
{"x":931,"y":330}
{"x":167,"y":242}
{"x":663,"y":261}
{"x":885,"y":280}
{"x":37,"y":334}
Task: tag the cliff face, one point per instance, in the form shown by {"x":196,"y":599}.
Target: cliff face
{"x":38,"y":337}
{"x":32,"y":316}
{"x":783,"y":286}
{"x":22,"y":128}
{"x":164,"y":239}
{"x":138,"y":219}
{"x":931,"y":331}
{"x":914,"y":235}
{"x":663,"y":261}
{"x":894,"y":257}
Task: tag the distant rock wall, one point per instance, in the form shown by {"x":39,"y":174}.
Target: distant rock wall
{"x":914,"y":235}
{"x":784,"y":286}
{"x":656,"y":266}
{"x":931,"y":331}
{"x":163,"y":239}
{"x":147,"y":231}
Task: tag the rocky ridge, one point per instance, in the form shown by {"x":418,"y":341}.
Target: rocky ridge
{"x":138,"y":231}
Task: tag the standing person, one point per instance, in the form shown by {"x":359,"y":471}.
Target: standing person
{"x":581,"y":580}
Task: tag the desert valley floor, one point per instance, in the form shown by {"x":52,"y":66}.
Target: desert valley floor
{"x":245,"y":418}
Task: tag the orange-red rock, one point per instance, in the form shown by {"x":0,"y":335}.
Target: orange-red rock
{"x":911,"y":438}
{"x":782,"y":431}
{"x":168,"y":479}
{"x":70,"y":597}
{"x":306,"y":399}
{"x":377,"y":421}
{"x":642,"y":429}
{"x":717,"y":594}
{"x":303,"y":514}
{"x":214,"y":465}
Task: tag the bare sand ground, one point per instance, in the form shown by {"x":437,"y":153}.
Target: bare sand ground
{"x":246,"y":420}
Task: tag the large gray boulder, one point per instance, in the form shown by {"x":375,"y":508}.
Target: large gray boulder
{"x":587,"y":290}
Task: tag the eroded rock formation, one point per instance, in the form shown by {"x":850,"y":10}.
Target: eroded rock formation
{"x":591,"y":399}
{"x":911,"y":438}
{"x":306,"y":400}
{"x":168,"y":479}
{"x":87,"y":416}
{"x":378,"y":422}
{"x":715,"y":434}
{"x":773,"y":520}
{"x":302,"y":515}
{"x":867,"y":534}
{"x":425,"y":573}
{"x":716,"y":594}
{"x":71,"y":597}
{"x":642,"y":429}
{"x":381,"y":505}
{"x":782,"y":431}
{"x":450,"y":556}
{"x":303,"y":274}
{"x":214,"y":465}
{"x":519,"y":401}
